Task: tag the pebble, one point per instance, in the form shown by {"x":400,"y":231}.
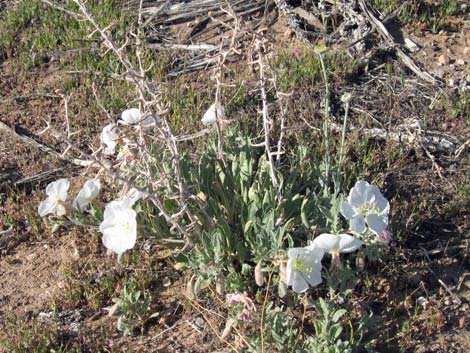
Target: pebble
{"x":443,"y":60}
{"x":410,"y":45}
{"x":415,"y":279}
{"x":31,"y":257}
{"x":460,"y":62}
{"x":466,"y":51}
{"x":439,"y":73}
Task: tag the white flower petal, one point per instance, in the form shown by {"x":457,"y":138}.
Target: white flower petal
{"x":348,"y":243}
{"x":346,"y":210}
{"x":130,"y":116}
{"x":380,"y":203}
{"x":47,"y":206}
{"x":58,"y":188}
{"x":210,"y":118}
{"x":357,"y":195}
{"x":314,"y":277}
{"x":376,"y":223}
{"x":108,"y":137}
{"x":87,"y":194}
{"x":357,"y":224}
{"x":327,"y":242}
{"x":299,"y":284}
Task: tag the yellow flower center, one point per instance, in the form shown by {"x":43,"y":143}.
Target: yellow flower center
{"x":298,"y":265}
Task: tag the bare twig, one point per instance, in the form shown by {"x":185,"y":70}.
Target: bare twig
{"x":428,"y":262}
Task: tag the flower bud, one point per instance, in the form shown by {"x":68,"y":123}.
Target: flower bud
{"x":190,"y":289}
{"x":228,"y":328}
{"x":385,"y":236}
{"x":220,"y":284}
{"x":346,"y":98}
{"x":283,"y":271}
{"x":360,"y":261}
{"x":259,"y":276}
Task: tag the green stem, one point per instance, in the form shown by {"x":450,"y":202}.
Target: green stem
{"x":343,"y":139}
{"x":326,"y":122}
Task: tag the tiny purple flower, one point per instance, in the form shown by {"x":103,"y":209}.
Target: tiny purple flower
{"x":296,"y":53}
{"x":110,"y":343}
{"x":250,"y":92}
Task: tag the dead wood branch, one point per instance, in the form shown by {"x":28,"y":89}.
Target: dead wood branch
{"x":405,"y":59}
{"x":33,"y":143}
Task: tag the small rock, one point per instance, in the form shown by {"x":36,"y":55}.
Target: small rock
{"x":466,"y":51}
{"x":415,"y":279}
{"x":422,"y":301}
{"x":451,"y":82}
{"x":31,"y":257}
{"x":289,"y":33}
{"x":75,"y":327}
{"x":410,"y":45}
{"x":199,"y":322}
{"x":166,"y":281}
{"x":439,"y":73}
{"x":443,"y":60}
{"x":460,"y":62}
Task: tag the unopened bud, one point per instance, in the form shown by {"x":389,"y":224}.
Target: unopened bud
{"x":385,"y":236}
{"x":360,"y":261}
{"x":190,"y":289}
{"x":346,"y":98}
{"x":197,"y":286}
{"x":283,"y":271}
{"x":282,"y":289}
{"x":220,"y":284}
{"x":228,"y":328}
{"x":259,"y":275}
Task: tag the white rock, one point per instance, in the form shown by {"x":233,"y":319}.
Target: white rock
{"x":410,"y":45}
{"x":443,"y":60}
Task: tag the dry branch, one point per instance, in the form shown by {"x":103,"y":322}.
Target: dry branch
{"x":33,"y":143}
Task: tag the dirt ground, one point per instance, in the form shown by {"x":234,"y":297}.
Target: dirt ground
{"x":37,"y":268}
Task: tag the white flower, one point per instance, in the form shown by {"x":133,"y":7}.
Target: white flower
{"x":87,"y":194}
{"x":130,"y":116}
{"x":109,"y":137}
{"x":366,"y":204}
{"x":57,"y":194}
{"x":210,"y":117}
{"x":119,"y":228}
{"x":336,"y":243}
{"x":304,"y":268}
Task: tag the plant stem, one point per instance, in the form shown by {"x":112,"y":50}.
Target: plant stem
{"x":326,"y":122}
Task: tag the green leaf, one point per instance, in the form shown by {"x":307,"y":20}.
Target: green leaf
{"x":338,"y":314}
